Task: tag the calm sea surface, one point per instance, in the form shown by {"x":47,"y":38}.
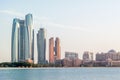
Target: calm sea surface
{"x":61,"y":74}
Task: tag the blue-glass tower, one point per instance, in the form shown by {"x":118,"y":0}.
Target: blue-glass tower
{"x":41,"y":46}
{"x":14,"y":40}
{"x":29,"y":26}
{"x":22,"y":47}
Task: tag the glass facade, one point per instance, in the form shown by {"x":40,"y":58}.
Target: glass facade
{"x":14,"y":40}
{"x":41,"y":45}
{"x":22,"y":47}
{"x":29,"y":26}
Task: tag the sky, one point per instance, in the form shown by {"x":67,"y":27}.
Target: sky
{"x":81,"y":25}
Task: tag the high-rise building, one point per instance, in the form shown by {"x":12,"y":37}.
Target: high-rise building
{"x":41,"y":46}
{"x":22,"y":40}
{"x":54,"y":50}
{"x":29,"y":26}
{"x":57,"y":49}
{"x":51,"y":50}
{"x":14,"y":40}
{"x":33,"y":46}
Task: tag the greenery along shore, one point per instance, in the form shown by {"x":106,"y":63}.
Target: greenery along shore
{"x":29,"y":65}
{"x":26,"y":64}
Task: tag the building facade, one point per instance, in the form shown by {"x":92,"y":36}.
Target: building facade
{"x":71,"y":60}
{"x":54,"y":50}
{"x":51,"y":50}
{"x":41,"y":46}
{"x":87,"y":56}
{"x":111,"y":54}
{"x":30,"y":34}
{"x":20,"y":35}
{"x":57,"y":49}
{"x":14,"y":40}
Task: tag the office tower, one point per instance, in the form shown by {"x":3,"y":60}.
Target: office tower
{"x":29,"y":26}
{"x":22,"y":42}
{"x":41,"y":46}
{"x":57,"y":49}
{"x":51,"y":50}
{"x":14,"y":40}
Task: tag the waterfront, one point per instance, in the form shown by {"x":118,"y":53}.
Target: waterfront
{"x":60,"y":74}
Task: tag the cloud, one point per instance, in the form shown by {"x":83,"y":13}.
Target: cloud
{"x":42,"y":20}
{"x":49,"y":23}
{"x":10,"y":12}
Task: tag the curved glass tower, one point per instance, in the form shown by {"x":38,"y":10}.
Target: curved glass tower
{"x":15,"y":40}
{"x":22,"y":47}
{"x":29,"y":27}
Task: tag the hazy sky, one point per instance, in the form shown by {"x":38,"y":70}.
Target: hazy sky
{"x":82,"y":25}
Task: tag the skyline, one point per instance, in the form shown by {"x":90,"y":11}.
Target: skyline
{"x":81,"y":25}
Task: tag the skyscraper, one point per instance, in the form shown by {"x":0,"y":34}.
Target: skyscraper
{"x":22,"y":47}
{"x":54,"y":50}
{"x":57,"y":49}
{"x":51,"y":50}
{"x":14,"y":40}
{"x":41,"y":46}
{"x":29,"y":27}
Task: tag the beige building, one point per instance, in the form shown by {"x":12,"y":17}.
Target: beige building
{"x":87,"y":56}
{"x":111,"y":54}
{"x":71,"y":60}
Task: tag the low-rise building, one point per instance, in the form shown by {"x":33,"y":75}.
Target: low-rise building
{"x":71,"y":60}
{"x":111,"y":54}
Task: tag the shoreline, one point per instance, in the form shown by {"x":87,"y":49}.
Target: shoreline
{"x":54,"y":67}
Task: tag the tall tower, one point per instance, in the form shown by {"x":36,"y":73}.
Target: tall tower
{"x":22,"y":47}
{"x":33,"y":46}
{"x":41,"y":45}
{"x":54,"y":50}
{"x":51,"y":50}
{"x":29,"y":26}
{"x":57,"y":49}
{"x":14,"y":40}
{"x":22,"y":40}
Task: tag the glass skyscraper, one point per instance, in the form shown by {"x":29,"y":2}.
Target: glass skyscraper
{"x":22,"y":47}
{"x":30,"y":31}
{"x":41,"y":45}
{"x":14,"y":41}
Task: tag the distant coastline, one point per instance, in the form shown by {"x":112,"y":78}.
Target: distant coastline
{"x":26,"y":65}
